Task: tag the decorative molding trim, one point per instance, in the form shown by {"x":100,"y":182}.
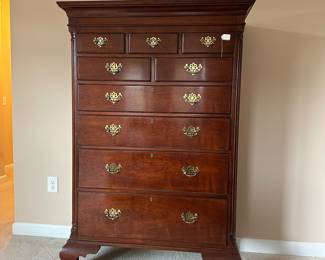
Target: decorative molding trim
{"x":281,"y":247}
{"x":9,"y":168}
{"x":41,"y":230}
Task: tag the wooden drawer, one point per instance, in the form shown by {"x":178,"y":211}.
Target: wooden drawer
{"x":151,"y":217}
{"x":191,"y":172}
{"x":135,"y":69}
{"x":206,"y":43}
{"x":101,"y":43}
{"x":155,"y":132}
{"x":181,"y":99}
{"x":153,"y":43}
{"x":202,"y":69}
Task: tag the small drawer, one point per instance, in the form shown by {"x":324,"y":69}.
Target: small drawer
{"x":168,"y":171}
{"x":180,"y":99}
{"x":194,"y":69}
{"x":153,"y":43}
{"x":111,"y":69}
{"x":101,"y":43}
{"x":210,"y":134}
{"x":207,"y":43}
{"x":104,"y":216}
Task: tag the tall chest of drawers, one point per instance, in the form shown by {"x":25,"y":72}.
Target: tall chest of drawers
{"x":155,"y":121}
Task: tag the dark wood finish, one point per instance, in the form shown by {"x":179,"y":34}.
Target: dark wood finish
{"x":150,"y":189}
{"x":168,"y":44}
{"x":214,"y":99}
{"x":142,"y":217}
{"x":191,"y":43}
{"x":214,"y":69}
{"x":158,"y":132}
{"x":115,"y":44}
{"x":135,"y":69}
{"x":153,"y":170}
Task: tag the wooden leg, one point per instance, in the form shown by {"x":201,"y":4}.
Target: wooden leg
{"x":73,"y":249}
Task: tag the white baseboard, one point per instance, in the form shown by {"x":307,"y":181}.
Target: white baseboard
{"x":281,"y":247}
{"x":245,"y":244}
{"x":41,"y":230}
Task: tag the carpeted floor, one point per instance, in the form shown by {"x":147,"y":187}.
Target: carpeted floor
{"x":34,"y":248}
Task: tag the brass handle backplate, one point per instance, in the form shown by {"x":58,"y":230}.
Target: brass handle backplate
{"x":112,"y":214}
{"x":191,"y":131}
{"x":153,"y":42}
{"x":190,"y":171}
{"x":113,"y":129}
{"x":113,"y":97}
{"x":192,"y":98}
{"x":113,"y":168}
{"x":113,"y":67}
{"x":193,"y":68}
{"x":208,"y":41}
{"x":189,"y":217}
{"x":100,"y":41}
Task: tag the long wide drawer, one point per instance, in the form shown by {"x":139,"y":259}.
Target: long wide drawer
{"x":120,"y":69}
{"x":194,"y":69}
{"x":193,"y":220}
{"x":155,"y":132}
{"x":190,"y":172}
{"x":182,"y":99}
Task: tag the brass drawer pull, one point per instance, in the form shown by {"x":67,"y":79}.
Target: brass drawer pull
{"x":113,"y":168}
{"x":100,"y":41}
{"x":113,"y":129}
{"x":193,"y":68}
{"x":190,"y":171}
{"x":191,"y":131}
{"x":192,"y":98}
{"x":113,"y":97}
{"x":114,"y":67}
{"x":189,"y":217}
{"x":112,"y":214}
{"x":153,"y":42}
{"x":208,"y":41}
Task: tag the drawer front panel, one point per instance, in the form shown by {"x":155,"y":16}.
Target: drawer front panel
{"x":155,"y":132}
{"x":154,"y":98}
{"x":152,"y":218}
{"x":101,"y":43}
{"x":153,"y":43}
{"x":191,"y":172}
{"x":135,"y":69}
{"x":206,"y":43}
{"x":194,"y":69}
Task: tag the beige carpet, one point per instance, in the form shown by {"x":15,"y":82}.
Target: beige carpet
{"x":34,"y":248}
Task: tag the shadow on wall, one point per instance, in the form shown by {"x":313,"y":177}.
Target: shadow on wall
{"x":281,"y":172}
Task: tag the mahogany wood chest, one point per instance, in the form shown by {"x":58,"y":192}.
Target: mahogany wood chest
{"x":155,"y":124}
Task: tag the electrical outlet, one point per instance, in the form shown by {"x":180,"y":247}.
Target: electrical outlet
{"x":52,"y":184}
